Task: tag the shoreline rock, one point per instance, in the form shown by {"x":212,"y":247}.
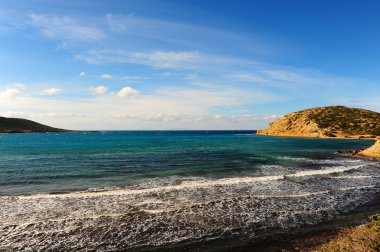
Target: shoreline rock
{"x":373,"y":151}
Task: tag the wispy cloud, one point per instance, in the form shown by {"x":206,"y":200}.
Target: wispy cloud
{"x":99,"y":89}
{"x":159,"y":117}
{"x":286,"y":75}
{"x":11,"y":21}
{"x":106,"y":76}
{"x":157,"y":59}
{"x":164,"y":33}
{"x":166,"y":59}
{"x":52,"y":91}
{"x":250,"y":77}
{"x":65,"y":29}
{"x":82,"y":74}
{"x":36,"y":115}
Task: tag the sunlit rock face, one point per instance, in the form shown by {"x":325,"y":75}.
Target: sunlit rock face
{"x":323,"y":122}
{"x":373,"y":151}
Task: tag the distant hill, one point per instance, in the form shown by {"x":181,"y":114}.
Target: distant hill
{"x":333,"y":121}
{"x":16,"y":125}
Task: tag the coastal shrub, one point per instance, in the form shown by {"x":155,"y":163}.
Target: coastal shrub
{"x":350,"y":121}
{"x":374,"y":224}
{"x":361,"y":239}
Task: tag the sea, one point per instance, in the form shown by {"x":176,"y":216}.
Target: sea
{"x":148,"y":190}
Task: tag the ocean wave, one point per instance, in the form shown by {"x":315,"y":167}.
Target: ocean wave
{"x":168,"y":211}
{"x":338,"y":169}
{"x":186,"y":183}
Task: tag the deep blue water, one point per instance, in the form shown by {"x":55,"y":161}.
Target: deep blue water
{"x":50,"y":162}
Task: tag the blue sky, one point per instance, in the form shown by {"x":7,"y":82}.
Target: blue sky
{"x":185,"y":64}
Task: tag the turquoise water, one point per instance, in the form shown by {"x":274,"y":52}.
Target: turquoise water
{"x":163,"y":189}
{"x":31,"y":163}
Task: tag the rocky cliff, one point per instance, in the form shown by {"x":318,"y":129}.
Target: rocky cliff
{"x":323,"y":122}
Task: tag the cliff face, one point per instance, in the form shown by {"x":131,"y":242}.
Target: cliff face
{"x":333,"y":121}
{"x":16,"y":125}
{"x":373,"y":151}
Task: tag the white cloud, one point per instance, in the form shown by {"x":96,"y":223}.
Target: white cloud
{"x":157,"y":59}
{"x":36,"y":115}
{"x":10,"y":93}
{"x":128,"y":92}
{"x":250,"y":77}
{"x":65,"y":29}
{"x":82,"y":74}
{"x":159,"y":117}
{"x":183,"y":35}
{"x":166,"y":59}
{"x":52,"y":91}
{"x":106,"y":76}
{"x":99,"y":89}
{"x":208,"y":107}
{"x":286,"y":75}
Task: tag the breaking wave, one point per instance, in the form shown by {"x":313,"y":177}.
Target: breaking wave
{"x":186,"y":210}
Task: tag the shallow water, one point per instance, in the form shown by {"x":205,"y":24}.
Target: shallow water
{"x":190,"y":188}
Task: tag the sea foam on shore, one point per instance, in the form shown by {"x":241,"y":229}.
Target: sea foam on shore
{"x":178,"y":210}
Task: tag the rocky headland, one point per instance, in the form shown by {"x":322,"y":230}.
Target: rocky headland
{"x":327,"y":122}
{"x":330,"y":122}
{"x":18,"y":125}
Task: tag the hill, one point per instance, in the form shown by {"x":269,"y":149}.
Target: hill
{"x":323,"y":122}
{"x":17,"y":125}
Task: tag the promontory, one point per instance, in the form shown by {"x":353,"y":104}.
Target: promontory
{"x":330,"y":122}
{"x":326,"y":122}
{"x":17,"y":125}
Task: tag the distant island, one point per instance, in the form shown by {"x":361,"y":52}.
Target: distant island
{"x":18,"y":125}
{"x":330,"y":122}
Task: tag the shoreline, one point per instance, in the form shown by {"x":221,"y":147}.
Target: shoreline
{"x":305,"y":239}
{"x":323,"y":137}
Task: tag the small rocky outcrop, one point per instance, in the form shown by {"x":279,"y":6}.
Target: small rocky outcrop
{"x":327,"y":122}
{"x":373,"y":151}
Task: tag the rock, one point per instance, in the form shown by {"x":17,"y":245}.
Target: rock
{"x":373,"y":151}
{"x":326,"y":122}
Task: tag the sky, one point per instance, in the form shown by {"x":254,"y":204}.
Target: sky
{"x":180,"y":65}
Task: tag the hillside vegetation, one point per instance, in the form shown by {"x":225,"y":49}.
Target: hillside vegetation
{"x":333,"y":121}
{"x":16,"y":125}
{"x":365,"y":238}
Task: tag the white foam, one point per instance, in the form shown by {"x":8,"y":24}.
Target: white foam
{"x":199,"y":183}
{"x":325,"y":171}
{"x":202,"y":183}
{"x":295,"y":158}
{"x":356,"y":177}
{"x":167,"y":211}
